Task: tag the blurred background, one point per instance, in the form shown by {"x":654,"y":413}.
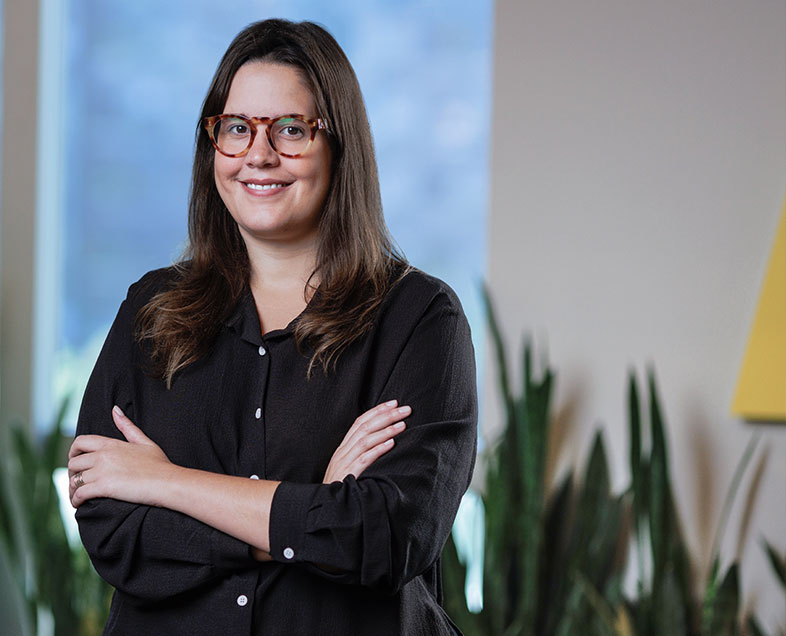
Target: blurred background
{"x":614,"y":171}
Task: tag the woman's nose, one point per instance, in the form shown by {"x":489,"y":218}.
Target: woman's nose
{"x":261,"y":152}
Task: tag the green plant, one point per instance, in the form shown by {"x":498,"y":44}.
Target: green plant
{"x":545,"y":555}
{"x":554,"y":560}
{"x":50,"y":574}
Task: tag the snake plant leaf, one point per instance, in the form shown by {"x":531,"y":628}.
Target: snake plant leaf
{"x":7,"y":531}
{"x":723,"y":614}
{"x":668,"y":611}
{"x":553,"y":559}
{"x":710,"y":594}
{"x":454,"y":600}
{"x":623,"y":624}
{"x":777,"y":562}
{"x":659,"y":491}
{"x":753,"y":627}
{"x":602,"y":609}
{"x":26,"y":466}
{"x":499,"y":349}
{"x":572,"y":619}
{"x":533,"y":409}
{"x":638,"y":472}
{"x":634,"y":423}
{"x":596,"y":486}
{"x":496,"y":563}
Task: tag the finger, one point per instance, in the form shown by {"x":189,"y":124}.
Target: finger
{"x":379,"y":408}
{"x":369,"y":457}
{"x":77,"y":482}
{"x":130,"y":431}
{"x":80,"y":463}
{"x":376,"y":423}
{"x":88,"y":444}
{"x":373,"y":440}
{"x":84,"y":493}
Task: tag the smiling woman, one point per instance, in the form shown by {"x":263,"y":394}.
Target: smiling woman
{"x":288,"y":415}
{"x":130,"y":119}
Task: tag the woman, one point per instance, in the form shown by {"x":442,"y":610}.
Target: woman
{"x":243,"y":464}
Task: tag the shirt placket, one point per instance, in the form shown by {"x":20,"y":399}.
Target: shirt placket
{"x":254,"y":455}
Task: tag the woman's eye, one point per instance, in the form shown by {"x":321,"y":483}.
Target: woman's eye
{"x":237,"y":129}
{"x":291,"y":130}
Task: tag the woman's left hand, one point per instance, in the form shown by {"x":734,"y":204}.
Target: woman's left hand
{"x":130,"y":470}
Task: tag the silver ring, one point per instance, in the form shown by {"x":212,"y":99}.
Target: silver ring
{"x":78,"y":480}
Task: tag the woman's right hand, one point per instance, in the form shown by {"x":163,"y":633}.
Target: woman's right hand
{"x":370,"y":437}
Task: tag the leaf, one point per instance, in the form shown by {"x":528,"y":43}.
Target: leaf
{"x":659,"y":491}
{"x":453,"y":575}
{"x":499,"y":349}
{"x":734,"y":486}
{"x":777,"y":562}
{"x":724,"y":610}
{"x":595,"y":487}
{"x":533,"y":420}
{"x":669,"y":615}
{"x":637,"y":472}
{"x":556,"y":527}
{"x":7,"y":532}
{"x":753,"y":627}
{"x":622,"y":622}
{"x":599,"y":604}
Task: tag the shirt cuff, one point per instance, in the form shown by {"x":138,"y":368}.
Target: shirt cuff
{"x":288,"y":514}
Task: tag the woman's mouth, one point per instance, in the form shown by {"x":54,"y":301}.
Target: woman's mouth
{"x":264,"y":186}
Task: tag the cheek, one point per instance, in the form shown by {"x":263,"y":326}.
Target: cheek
{"x":222,"y":172}
{"x":225,"y":167}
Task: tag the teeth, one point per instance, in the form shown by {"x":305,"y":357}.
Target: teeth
{"x":256,"y":186}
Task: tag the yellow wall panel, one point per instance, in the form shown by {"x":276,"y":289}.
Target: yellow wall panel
{"x":761,"y":389}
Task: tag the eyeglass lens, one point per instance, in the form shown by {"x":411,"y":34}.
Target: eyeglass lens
{"x":288,"y":135}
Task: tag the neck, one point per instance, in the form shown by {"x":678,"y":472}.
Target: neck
{"x":278,"y":267}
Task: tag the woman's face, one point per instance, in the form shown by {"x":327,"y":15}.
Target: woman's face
{"x":288,"y":212}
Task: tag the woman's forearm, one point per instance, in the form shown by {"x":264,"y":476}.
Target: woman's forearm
{"x":238,"y":506}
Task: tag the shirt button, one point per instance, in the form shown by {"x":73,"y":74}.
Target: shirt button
{"x":242,"y":600}
{"x":289,"y":553}
{"x":262,"y":350}
{"x":258,"y":413}
{"x":254,"y":477}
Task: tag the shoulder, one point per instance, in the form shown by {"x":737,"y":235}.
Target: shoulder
{"x":417,"y":292}
{"x":152,"y":283}
{"x":417,"y":300}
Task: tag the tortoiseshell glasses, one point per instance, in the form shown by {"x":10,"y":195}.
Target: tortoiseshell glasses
{"x":289,"y":135}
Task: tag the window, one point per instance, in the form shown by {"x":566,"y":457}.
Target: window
{"x":135,"y":76}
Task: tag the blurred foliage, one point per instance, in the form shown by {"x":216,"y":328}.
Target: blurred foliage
{"x":50,"y":575}
{"x":554,"y":559}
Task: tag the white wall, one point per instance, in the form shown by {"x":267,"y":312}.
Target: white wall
{"x":638,"y":172}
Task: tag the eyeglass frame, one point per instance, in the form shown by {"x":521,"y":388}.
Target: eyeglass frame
{"x":315,"y":124}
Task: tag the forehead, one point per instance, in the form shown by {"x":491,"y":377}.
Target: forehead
{"x":269,"y":89}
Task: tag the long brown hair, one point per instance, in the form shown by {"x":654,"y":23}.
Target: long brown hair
{"x":357,"y":261}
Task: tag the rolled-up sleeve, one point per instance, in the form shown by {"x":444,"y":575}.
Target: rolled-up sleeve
{"x":390,"y":524}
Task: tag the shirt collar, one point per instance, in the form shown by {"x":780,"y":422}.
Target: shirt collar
{"x":244,"y":321}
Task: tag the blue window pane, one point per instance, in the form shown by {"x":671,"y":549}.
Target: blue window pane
{"x":136,"y":76}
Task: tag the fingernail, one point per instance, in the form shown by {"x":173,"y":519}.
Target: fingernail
{"x":388,"y":443}
{"x":399,"y":425}
{"x":404,"y":409}
{"x":391,"y":403}
{"x":116,"y":409}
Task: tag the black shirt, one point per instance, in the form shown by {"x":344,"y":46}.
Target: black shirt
{"x":248,"y":409}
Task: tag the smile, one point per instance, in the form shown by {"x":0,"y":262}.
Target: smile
{"x":267,"y":186}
